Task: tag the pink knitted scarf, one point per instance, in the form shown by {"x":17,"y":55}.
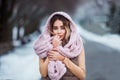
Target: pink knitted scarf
{"x":56,"y":69}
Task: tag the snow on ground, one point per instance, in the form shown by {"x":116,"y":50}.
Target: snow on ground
{"x":20,"y":64}
{"x":111,"y":40}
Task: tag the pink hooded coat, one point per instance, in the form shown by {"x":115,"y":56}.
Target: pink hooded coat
{"x":56,"y":69}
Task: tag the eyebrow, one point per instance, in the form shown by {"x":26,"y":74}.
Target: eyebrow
{"x":57,"y":26}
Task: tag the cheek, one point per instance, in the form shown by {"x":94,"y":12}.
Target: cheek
{"x":63,"y":32}
{"x":55,"y":31}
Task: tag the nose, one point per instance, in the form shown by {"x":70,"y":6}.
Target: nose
{"x":59,"y":31}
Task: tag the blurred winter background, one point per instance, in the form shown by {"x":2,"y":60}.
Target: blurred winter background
{"x":21,"y":22}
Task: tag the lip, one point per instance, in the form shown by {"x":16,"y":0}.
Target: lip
{"x":60,"y":35}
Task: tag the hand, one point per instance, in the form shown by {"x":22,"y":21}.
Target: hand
{"x":56,"y":41}
{"x":55,"y":55}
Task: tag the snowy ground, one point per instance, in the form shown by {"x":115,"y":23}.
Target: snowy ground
{"x":111,"y":40}
{"x":20,"y":64}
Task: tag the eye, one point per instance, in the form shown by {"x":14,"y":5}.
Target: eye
{"x":62,"y":27}
{"x":55,"y":28}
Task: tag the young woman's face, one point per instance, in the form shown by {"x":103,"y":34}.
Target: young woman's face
{"x":59,"y":29}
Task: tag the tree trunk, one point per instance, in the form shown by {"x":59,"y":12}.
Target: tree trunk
{"x":5,"y":28}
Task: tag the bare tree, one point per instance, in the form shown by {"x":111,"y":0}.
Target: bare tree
{"x":5,"y":29}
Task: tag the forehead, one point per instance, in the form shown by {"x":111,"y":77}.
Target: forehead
{"x":58,"y":23}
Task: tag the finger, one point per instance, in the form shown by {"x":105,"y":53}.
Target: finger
{"x":60,"y":38}
{"x":50,"y":58}
{"x":52,"y":52}
{"x":56,"y":36}
{"x":48,"y":53}
{"x":54,"y":49}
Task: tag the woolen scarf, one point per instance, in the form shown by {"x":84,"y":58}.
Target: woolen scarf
{"x":56,"y":69}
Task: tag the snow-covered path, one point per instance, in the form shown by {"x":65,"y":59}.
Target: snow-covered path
{"x":20,"y":64}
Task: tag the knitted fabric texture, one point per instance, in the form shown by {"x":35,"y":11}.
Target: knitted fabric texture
{"x":56,"y":69}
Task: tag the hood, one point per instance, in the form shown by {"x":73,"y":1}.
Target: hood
{"x":73,"y":26}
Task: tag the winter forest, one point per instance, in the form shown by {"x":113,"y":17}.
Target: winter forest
{"x":21,"y":22}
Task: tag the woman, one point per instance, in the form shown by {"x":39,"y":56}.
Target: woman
{"x":60,"y":50}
